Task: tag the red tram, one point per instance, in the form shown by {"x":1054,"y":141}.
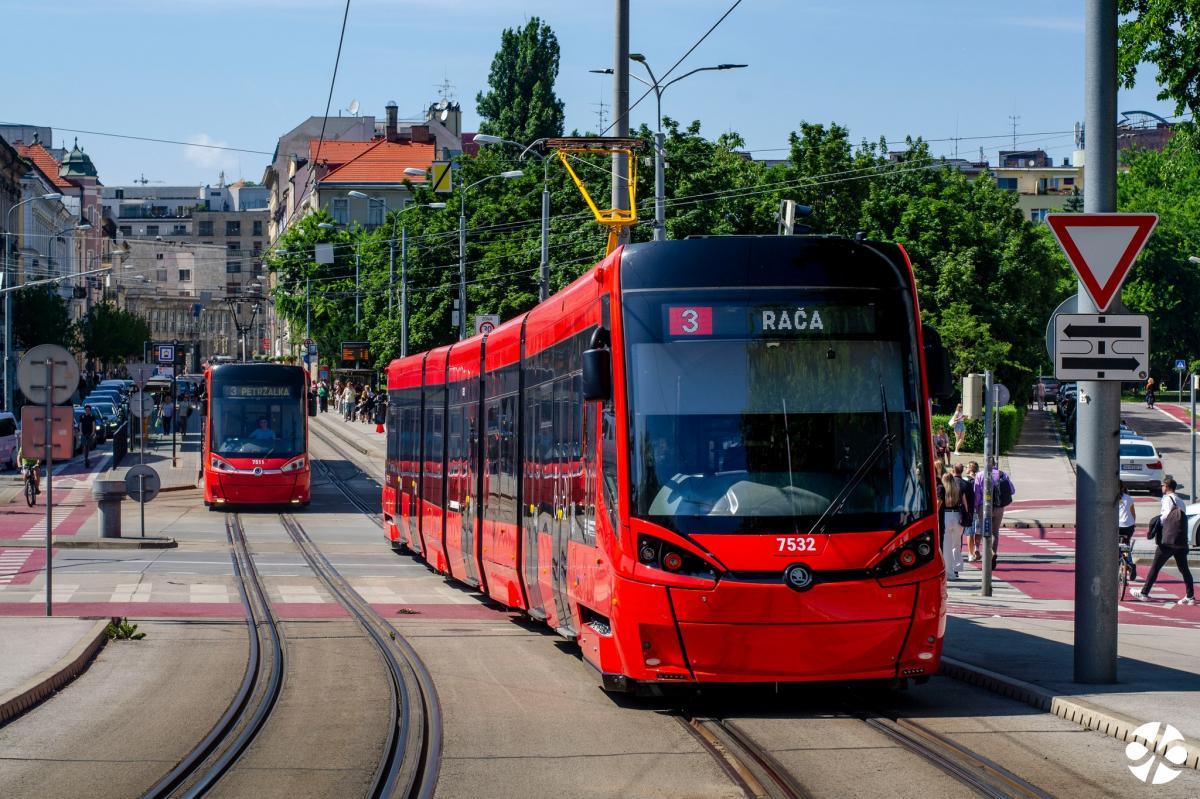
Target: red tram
{"x":256,"y":435}
{"x":705,"y":460}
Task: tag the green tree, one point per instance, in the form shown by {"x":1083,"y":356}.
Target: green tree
{"x":521,"y":104}
{"x":1074,"y":203}
{"x":110,"y":334}
{"x":40,"y":316}
{"x":1162,"y":283}
{"x":1167,"y":34}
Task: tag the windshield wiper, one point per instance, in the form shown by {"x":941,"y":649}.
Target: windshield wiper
{"x":839,"y":501}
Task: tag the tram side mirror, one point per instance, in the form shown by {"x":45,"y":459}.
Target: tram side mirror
{"x":937,"y":365}
{"x":597,"y":368}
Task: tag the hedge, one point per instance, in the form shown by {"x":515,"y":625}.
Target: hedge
{"x":1011,"y":420}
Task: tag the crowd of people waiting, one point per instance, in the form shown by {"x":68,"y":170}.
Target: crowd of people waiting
{"x":960,"y":497}
{"x":356,"y":402}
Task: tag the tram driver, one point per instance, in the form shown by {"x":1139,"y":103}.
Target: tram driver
{"x":263,"y":432}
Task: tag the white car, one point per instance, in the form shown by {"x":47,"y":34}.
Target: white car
{"x":1193,"y":522}
{"x":1141,"y":466}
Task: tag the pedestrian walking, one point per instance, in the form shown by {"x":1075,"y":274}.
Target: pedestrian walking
{"x":167,"y":414}
{"x":958,"y":423}
{"x":1149,"y":392}
{"x":87,"y":430}
{"x":323,"y":397}
{"x":1171,"y":534}
{"x":1002,"y":494}
{"x":1040,"y":390}
{"x":348,"y":397}
{"x":954,"y":509}
{"x":967,"y":488}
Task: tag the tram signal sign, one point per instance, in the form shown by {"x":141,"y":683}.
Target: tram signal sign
{"x":165,"y":353}
{"x":1101,"y":347}
{"x":1102,"y":248}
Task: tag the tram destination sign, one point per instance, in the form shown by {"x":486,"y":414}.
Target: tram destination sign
{"x":732,"y":320}
{"x":1101,"y":347}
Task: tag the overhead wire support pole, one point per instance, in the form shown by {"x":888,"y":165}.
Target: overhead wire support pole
{"x":620,"y":167}
{"x":1099,"y":410}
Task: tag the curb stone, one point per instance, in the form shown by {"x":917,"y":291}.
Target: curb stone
{"x":74,"y":542}
{"x":68,"y":667}
{"x":1079,"y":711}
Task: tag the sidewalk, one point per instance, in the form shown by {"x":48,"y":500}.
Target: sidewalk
{"x":41,"y":656}
{"x":1033,"y":660}
{"x":184,"y":474}
{"x":362,"y":437}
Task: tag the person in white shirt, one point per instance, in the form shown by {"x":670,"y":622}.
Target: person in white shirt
{"x":1126,"y":515}
{"x":1172,"y":543}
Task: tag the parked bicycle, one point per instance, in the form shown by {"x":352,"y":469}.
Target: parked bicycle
{"x":1126,"y":568}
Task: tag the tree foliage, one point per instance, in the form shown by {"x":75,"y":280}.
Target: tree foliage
{"x":521,"y":104}
{"x":41,"y":316}
{"x":1165,"y":33}
{"x":110,"y":334}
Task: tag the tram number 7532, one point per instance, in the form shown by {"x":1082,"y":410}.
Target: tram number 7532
{"x":796,"y":543}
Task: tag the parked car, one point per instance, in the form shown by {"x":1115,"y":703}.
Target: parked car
{"x":8,"y":440}
{"x":1130,"y":435}
{"x":1141,"y":466}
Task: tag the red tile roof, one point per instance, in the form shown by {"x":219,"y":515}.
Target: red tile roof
{"x":377,"y":161}
{"x":44,"y":161}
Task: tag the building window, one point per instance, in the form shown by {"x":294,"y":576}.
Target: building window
{"x":119,"y":194}
{"x":1038,"y":214}
{"x":185,"y":275}
{"x":1009,"y":184}
{"x":1068,"y":181}
{"x":257,"y":227}
{"x":125,"y":230}
{"x":151,"y":230}
{"x":160,"y":275}
{"x":257,"y":247}
{"x":180,"y":230}
{"x":257,"y":268}
{"x":341,"y":210}
{"x":374,"y":213}
{"x":158,"y":256}
{"x":205,"y":229}
{"x":233,"y":228}
{"x":233,"y":268}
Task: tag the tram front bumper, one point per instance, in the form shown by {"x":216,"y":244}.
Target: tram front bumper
{"x":266,"y":489}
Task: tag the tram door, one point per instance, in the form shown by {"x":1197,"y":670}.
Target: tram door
{"x":563,"y":501}
{"x":538,"y":508}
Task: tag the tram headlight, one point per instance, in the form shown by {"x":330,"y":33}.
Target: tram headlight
{"x":916,"y":552}
{"x":219,"y":465}
{"x":659,"y":554}
{"x":293,"y":465}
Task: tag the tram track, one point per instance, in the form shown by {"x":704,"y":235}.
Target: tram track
{"x":746,"y":762}
{"x":200,"y":769}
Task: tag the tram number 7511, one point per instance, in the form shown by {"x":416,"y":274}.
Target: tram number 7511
{"x":796,"y":543}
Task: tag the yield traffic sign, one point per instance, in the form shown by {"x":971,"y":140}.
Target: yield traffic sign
{"x":1101,"y":248}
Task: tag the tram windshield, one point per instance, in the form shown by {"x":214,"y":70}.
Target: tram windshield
{"x":752,"y":411}
{"x":258,"y":417}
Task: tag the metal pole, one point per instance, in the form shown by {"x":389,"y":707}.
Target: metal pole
{"x":49,"y":486}
{"x":988,"y":454}
{"x":1192,"y":436}
{"x":403,"y":291}
{"x":142,"y":500}
{"x":544,"y":288}
{"x":391,"y":273}
{"x":620,"y":180}
{"x":357,"y":252}
{"x":174,"y":410}
{"x":1180,"y":394}
{"x":308,"y":307}
{"x":462,"y":269}
{"x":660,"y":210}
{"x":1099,"y":410}
{"x":8,"y":246}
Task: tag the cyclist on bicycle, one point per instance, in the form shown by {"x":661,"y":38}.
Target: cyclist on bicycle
{"x":1126,"y":515}
{"x":32,"y":465}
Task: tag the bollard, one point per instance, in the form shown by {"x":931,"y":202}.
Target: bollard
{"x":108,"y":495}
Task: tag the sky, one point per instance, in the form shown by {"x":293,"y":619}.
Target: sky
{"x":240,"y":73}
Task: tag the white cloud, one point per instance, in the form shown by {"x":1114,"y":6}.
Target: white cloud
{"x":207,"y":156}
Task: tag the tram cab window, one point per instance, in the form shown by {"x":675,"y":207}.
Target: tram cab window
{"x":258,"y":421}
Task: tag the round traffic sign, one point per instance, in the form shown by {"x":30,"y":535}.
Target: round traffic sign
{"x":142,"y":483}
{"x":486,"y":327}
{"x":1002,"y":393}
{"x":308,"y":342}
{"x":32,"y":371}
{"x":141,"y":405}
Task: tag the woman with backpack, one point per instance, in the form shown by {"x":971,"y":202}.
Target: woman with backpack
{"x":1172,"y":536}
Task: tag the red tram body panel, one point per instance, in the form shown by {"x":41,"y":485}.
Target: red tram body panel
{"x":746,"y":496}
{"x":256,"y":435}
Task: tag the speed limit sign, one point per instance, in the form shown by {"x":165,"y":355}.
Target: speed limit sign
{"x":486,"y":323}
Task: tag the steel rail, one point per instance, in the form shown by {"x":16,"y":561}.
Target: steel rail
{"x":191,"y":765}
{"x":431,"y":741}
{"x":972,"y":769}
{"x":748,"y":764}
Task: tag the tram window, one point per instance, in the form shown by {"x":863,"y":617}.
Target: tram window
{"x":256,"y":420}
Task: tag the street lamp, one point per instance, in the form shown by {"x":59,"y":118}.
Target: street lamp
{"x":462,"y":246}
{"x":8,"y":250}
{"x":403,"y":270}
{"x":526,"y":149}
{"x":660,"y":217}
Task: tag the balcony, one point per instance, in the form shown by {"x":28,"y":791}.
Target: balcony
{"x":139,"y":212}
